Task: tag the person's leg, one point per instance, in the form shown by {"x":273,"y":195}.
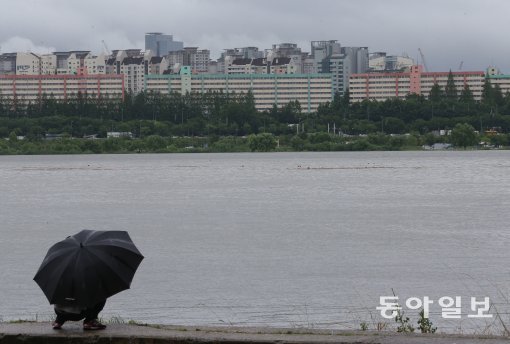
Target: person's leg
{"x":60,"y":320}
{"x":62,"y":317}
{"x":91,"y":314}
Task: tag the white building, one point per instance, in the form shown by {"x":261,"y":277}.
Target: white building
{"x":48,"y":64}
{"x":95,"y":64}
{"x":380,"y":61}
{"x":76,"y":62}
{"x":289,"y":50}
{"x":28,"y":64}
{"x":197,"y":59}
{"x":133,"y":69}
{"x":311,"y":90}
{"x":496,"y":78}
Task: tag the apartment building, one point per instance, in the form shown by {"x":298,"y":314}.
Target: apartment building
{"x":61,"y":64}
{"x":495,"y":77}
{"x":241,"y":66}
{"x":76,"y":62}
{"x":278,"y":65}
{"x":197,"y":59}
{"x":30,"y":88}
{"x":330,"y":57}
{"x":27,"y":64}
{"x":382,"y":86}
{"x":310,"y":90}
{"x":8,"y":64}
{"x":133,"y":70}
{"x":380,"y":61}
{"x":157,"y":65}
{"x":95,"y":64}
{"x":229,"y":55}
{"x":160,"y":44}
{"x":134,"y":65}
{"x":289,"y":50}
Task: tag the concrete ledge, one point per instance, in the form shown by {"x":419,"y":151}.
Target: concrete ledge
{"x":38,"y":333}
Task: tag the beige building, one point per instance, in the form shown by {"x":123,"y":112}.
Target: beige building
{"x":310,"y":90}
{"x":32,"y":87}
{"x":190,"y":56}
{"x":380,"y":61}
{"x":95,"y":64}
{"x":48,"y":64}
{"x":383,"y":86}
{"x":158,"y":65}
{"x":279,"y":65}
{"x":133,"y":69}
{"x":28,"y":64}
{"x":76,"y":62}
{"x":289,"y":50}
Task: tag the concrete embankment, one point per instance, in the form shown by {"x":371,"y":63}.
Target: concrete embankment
{"x":38,"y":333}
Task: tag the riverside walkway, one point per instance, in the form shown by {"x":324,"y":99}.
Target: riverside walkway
{"x":39,"y":333}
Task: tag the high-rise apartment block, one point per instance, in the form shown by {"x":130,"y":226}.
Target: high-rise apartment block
{"x":268,"y":89}
{"x":30,"y":88}
{"x":341,"y":62}
{"x":161,"y":44}
{"x":380,"y":61}
{"x":197,"y":59}
{"x":277,"y":75}
{"x":289,"y":50}
{"x":383,"y":86}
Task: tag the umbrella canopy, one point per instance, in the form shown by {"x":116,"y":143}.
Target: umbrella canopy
{"x":88,"y":267}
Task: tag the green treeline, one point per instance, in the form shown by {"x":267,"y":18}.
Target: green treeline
{"x":226,"y":122}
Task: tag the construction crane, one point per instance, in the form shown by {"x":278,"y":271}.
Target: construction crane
{"x":423,"y":60}
{"x":105,"y":48}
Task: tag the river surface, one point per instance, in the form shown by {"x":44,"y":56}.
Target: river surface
{"x":277,"y":239}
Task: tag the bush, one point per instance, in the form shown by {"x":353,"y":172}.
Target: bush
{"x":262,"y":142}
{"x":320,"y":137}
{"x":155,"y":143}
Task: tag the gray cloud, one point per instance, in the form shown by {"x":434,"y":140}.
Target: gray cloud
{"x":448,"y":32}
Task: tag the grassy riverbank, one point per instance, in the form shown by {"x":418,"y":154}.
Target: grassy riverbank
{"x":215,"y":144}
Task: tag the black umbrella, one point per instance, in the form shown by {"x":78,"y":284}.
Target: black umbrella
{"x":88,"y":267}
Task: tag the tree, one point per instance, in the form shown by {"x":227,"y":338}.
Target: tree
{"x":463,"y":135}
{"x":450,"y":89}
{"x":393,"y":125}
{"x":487,"y":93}
{"x":264,"y":142}
{"x":436,"y":94}
{"x":466,"y":96}
{"x":13,"y":137}
{"x":497,"y":95}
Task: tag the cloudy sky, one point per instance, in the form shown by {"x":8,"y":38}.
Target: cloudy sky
{"x":474,"y":33}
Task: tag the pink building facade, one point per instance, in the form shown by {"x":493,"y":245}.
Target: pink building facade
{"x":383,"y":86}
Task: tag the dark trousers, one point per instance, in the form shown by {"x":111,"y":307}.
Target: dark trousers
{"x":89,"y":314}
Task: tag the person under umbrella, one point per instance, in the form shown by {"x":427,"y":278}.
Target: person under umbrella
{"x":89,"y":315}
{"x":79,"y":273}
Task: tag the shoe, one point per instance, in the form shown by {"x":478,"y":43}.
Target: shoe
{"x":57,"y":325}
{"x":93,"y":325}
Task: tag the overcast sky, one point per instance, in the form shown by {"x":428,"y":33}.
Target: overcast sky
{"x":474,"y":32}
